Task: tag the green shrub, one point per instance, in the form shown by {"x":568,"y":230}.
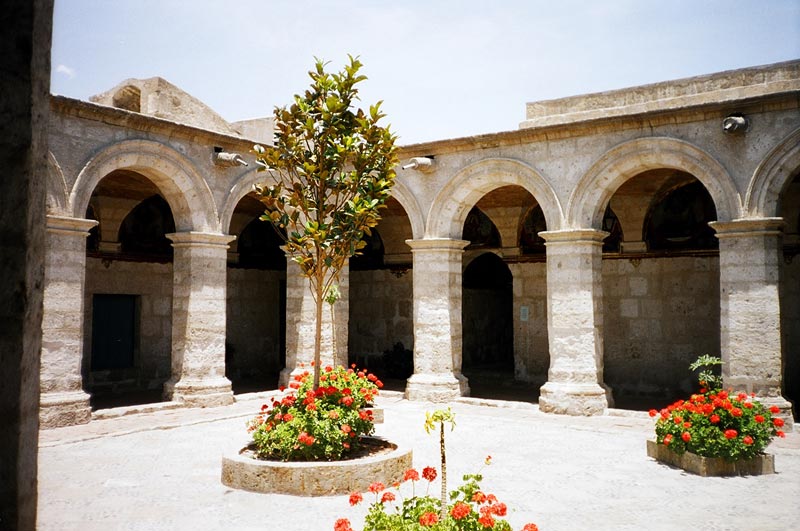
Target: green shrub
{"x":315,"y":425}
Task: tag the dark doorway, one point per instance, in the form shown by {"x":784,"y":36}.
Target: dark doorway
{"x":488,"y":323}
{"x":114,"y":332}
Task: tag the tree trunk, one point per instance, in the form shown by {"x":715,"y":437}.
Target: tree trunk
{"x":443,"y":510}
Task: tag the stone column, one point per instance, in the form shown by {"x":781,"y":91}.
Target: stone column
{"x":63,"y":401}
{"x":750,"y":321}
{"x":24,"y":114}
{"x":574,"y":323}
{"x":437,"y":320}
{"x":198,"y":320}
{"x":300,"y":321}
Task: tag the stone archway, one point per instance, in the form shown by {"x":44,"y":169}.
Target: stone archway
{"x":181,"y":184}
{"x":452,"y":204}
{"x":57,"y":202}
{"x":771,"y":177}
{"x":594,"y":190}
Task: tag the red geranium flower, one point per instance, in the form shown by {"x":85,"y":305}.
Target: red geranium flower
{"x":774,"y":409}
{"x":342,"y":524}
{"x":499,"y":509}
{"x":667,"y":439}
{"x":428,"y":519}
{"x":736,"y":412}
{"x":714,"y":419}
{"x":377,"y":487}
{"x":486,"y":520}
{"x":759,"y":418}
{"x":356,"y":498}
{"x":411,"y":474}
{"x":387,"y":497}
{"x":747,"y":439}
{"x":479,"y":497}
{"x":731,"y":434}
{"x":686,"y":436}
{"x":530,"y":527}
{"x":460,"y":510}
{"x":429,"y":473}
{"x":778,"y":422}
{"x":653,"y":412}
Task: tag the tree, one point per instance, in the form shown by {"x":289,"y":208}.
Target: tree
{"x":334,"y":168}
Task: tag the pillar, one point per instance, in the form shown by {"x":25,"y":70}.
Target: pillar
{"x":198,"y":320}
{"x":750,"y":321}
{"x":300,"y":321}
{"x":63,"y":400}
{"x":437,"y":320}
{"x":574,"y":323}
{"x":24,"y":84}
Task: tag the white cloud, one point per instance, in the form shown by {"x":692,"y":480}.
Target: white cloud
{"x":67,"y":71}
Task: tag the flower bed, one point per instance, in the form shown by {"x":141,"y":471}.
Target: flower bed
{"x":711,"y":466}
{"x":716,"y":424}
{"x":323,"y":424}
{"x":383,"y":460}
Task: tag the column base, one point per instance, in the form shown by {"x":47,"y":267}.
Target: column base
{"x":64,"y":409}
{"x":436,"y":387}
{"x":572,"y":399}
{"x":200,"y":393}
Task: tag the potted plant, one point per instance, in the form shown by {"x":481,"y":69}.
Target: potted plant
{"x":716,"y":432}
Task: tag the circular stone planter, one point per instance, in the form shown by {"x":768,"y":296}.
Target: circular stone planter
{"x":241,"y":470}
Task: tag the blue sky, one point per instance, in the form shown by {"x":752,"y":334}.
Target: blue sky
{"x":444,"y":68}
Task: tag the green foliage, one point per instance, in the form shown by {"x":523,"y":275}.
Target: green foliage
{"x":325,"y":423}
{"x":707,"y":377}
{"x":717,"y":423}
{"x":333,"y":169}
{"x":440,"y":416}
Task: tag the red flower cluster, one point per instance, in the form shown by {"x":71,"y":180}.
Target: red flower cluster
{"x":717,"y":423}
{"x":429,"y":473}
{"x":342,"y":524}
{"x":460,"y":510}
{"x":428,"y":519}
{"x":473,"y":509}
{"x":316,"y":424}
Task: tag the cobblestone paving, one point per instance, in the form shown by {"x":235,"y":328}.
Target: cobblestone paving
{"x":161,"y":471}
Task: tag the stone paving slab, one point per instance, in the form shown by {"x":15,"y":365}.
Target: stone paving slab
{"x":161,"y":471}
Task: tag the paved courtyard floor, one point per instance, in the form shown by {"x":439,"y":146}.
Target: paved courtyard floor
{"x":161,"y":471}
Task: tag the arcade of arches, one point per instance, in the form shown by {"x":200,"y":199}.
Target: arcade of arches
{"x":585,"y":259}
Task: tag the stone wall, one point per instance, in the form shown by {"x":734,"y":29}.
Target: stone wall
{"x":254,"y":321}
{"x":380,"y":312}
{"x":659,"y":315}
{"x":152,"y":283}
{"x":531,"y":350}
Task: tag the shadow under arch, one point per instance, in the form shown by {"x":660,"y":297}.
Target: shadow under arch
{"x":57,"y":200}
{"x":186,"y":192}
{"x":596,"y":187}
{"x":771,"y":177}
{"x":452,"y":204}
{"x":243,"y":186}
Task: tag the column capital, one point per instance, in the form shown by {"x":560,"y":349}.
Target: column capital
{"x":200,"y":239}
{"x":739,"y":228}
{"x":67,"y":225}
{"x":437,"y":244}
{"x":593,"y":236}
